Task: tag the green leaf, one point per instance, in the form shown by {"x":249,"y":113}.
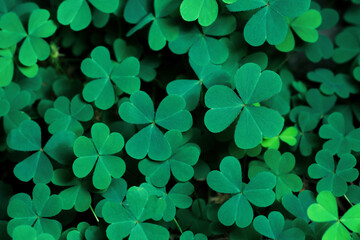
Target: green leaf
{"x":351,"y":218}
{"x":253,"y":87}
{"x":205,"y":11}
{"x":97,"y":153}
{"x":298,"y":206}
{"x":305,"y":25}
{"x":325,"y":210}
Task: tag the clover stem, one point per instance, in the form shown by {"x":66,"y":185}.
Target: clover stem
{"x":92,"y":210}
{"x":178,"y":225}
{"x":347,"y":199}
{"x":198,"y":200}
{"x":283,"y":62}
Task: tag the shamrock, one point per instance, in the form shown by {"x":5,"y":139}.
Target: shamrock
{"x":190,"y":90}
{"x":27,"y":138}
{"x":342,"y":137}
{"x":298,"y":206}
{"x":205,"y":11}
{"x":26,"y":232}
{"x":12,"y":101}
{"x":97,"y":153}
{"x":188,"y":235}
{"x":305,"y":27}
{"x":77,"y":13}
{"x":225,"y":105}
{"x":36,"y":212}
{"x":269,"y":22}
{"x":162,"y":28}
{"x":180,"y":164}
{"x":273,"y":227}
{"x":66,"y":115}
{"x":281,"y":166}
{"x":202,"y":48}
{"x":130,"y":218}
{"x":105,"y":74}
{"x":177,"y":197}
{"x":323,"y":48}
{"x":150,"y":140}
{"x":349,"y":46}
{"x":288,"y":136}
{"x":333,"y":180}
{"x":6,"y":67}
{"x":33,"y":47}
{"x":325,"y":210}
{"x":76,"y":195}
{"x":340,"y":84}
{"x":353,"y":193}
{"x":229,"y":180}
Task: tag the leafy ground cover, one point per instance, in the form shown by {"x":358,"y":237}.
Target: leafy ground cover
{"x":179,"y":119}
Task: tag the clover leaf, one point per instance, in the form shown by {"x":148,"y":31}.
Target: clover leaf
{"x":27,"y":138}
{"x":333,"y":179}
{"x":225,"y":105}
{"x":298,"y":206}
{"x":188,"y":235}
{"x":77,"y":13}
{"x":106,"y":76}
{"x":190,"y":90}
{"x":269,"y":22}
{"x":288,"y":136}
{"x":67,"y":115}
{"x":98,"y":153}
{"x":349,"y":46}
{"x":229,"y":180}
{"x":202,"y":48}
{"x":162,"y":27}
{"x":180,"y":164}
{"x":36,"y":212}
{"x":342,"y":137}
{"x":205,"y":11}
{"x":171,"y":115}
{"x":33,"y":47}
{"x":76,"y":195}
{"x":273,"y":227}
{"x":281,"y":165}
{"x":116,"y":192}
{"x":131,"y":217}
{"x":6,"y":67}
{"x":340,"y":84}
{"x":177,"y":197}
{"x":325,"y":210}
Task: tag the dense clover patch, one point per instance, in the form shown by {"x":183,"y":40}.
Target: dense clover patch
{"x":179,"y":119}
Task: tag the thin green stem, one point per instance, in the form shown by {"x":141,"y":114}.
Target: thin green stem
{"x":178,"y":225}
{"x":347,"y":199}
{"x":283,"y":62}
{"x":198,"y":200}
{"x":92,"y":210}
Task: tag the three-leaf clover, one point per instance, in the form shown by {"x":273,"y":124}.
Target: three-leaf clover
{"x":342,"y":137}
{"x":333,"y":179}
{"x":177,"y":197}
{"x":188,"y":235}
{"x":150,"y":140}
{"x":98,"y":153}
{"x":255,"y":122}
{"x":229,"y":180}
{"x":35,"y":212}
{"x":269,"y":22}
{"x":26,"y":232}
{"x":298,"y":206}
{"x":349,"y":46}
{"x":288,"y":136}
{"x":33,"y":47}
{"x":341,"y":84}
{"x":281,"y":165}
{"x":180,"y":164}
{"x":66,"y":115}
{"x":131,"y":217}
{"x":77,"y":13}
{"x":104,"y":74}
{"x":205,"y":11}
{"x":326,"y":210}
{"x":273,"y":227}
{"x":27,"y":138}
